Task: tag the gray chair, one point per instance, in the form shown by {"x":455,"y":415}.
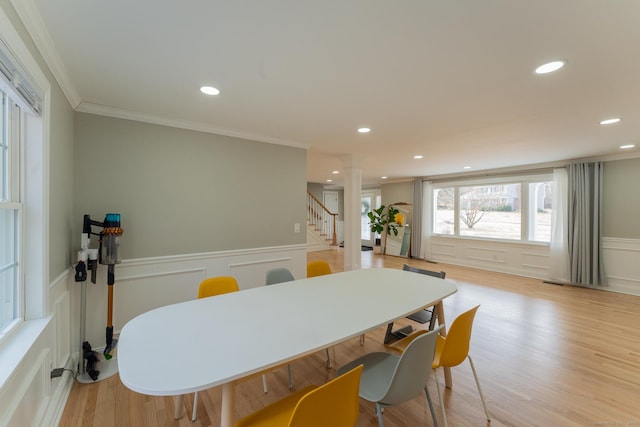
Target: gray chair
{"x":274,"y":276}
{"x":422,"y":316}
{"x":389,"y":379}
{"x":281,"y":275}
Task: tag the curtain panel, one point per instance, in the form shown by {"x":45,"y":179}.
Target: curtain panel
{"x":416,"y":226}
{"x":586,"y":267}
{"x":559,"y":245}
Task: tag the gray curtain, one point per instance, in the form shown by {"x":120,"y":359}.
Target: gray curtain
{"x":586,"y":266}
{"x":416,"y":226}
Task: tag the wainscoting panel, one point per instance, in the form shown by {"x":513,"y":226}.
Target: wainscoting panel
{"x":621,"y":259}
{"x":61,"y":306}
{"x":134,"y":295}
{"x":529,"y":260}
{"x":622,"y":264}
{"x":144,"y":284}
{"x":488,"y":254}
{"x":252,"y":274}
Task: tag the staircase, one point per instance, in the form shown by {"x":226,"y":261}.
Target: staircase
{"x":321,"y":225}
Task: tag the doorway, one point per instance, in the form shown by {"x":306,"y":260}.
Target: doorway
{"x":371,"y":199}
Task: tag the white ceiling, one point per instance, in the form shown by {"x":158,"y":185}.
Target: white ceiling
{"x":451,"y":80}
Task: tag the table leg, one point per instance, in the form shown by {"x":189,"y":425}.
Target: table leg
{"x":439,"y":307}
{"x":228,"y":405}
{"x":177,"y":408}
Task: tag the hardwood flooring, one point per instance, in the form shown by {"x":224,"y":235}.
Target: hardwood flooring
{"x":546,"y":355}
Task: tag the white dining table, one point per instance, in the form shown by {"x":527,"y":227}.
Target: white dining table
{"x":195,"y":345}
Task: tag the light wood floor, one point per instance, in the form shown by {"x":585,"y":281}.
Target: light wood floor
{"x":546,"y":355}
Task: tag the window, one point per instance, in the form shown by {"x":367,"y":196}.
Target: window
{"x":10,"y":211}
{"x":507,"y":209}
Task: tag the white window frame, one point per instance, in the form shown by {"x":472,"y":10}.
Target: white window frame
{"x":523,"y":180}
{"x":33,"y":134}
{"x":13,"y":203}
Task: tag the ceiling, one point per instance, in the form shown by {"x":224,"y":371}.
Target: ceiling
{"x":452,"y":81}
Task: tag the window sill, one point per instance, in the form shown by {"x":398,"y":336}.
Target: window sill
{"x":15,"y":347}
{"x":491,"y":240}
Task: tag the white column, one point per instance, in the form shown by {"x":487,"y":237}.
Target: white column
{"x":352,"y":202}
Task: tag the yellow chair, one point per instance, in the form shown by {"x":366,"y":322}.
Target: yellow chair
{"x":451,"y":351}
{"x":217,"y":286}
{"x":208,"y":288}
{"x":318,"y":268}
{"x":334,"y":404}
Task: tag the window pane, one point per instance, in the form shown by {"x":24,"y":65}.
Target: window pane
{"x":491,"y":211}
{"x":8,"y":267}
{"x":540,"y":197}
{"x":443,"y":199}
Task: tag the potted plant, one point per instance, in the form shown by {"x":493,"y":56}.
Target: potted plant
{"x":381,"y":219}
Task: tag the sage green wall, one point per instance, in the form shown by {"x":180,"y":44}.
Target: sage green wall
{"x":60,"y":178}
{"x":621,"y":199}
{"x":184,"y":192}
{"x":62,"y":245}
{"x":398,"y":192}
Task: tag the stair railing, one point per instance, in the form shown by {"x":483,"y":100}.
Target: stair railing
{"x":322,"y":219}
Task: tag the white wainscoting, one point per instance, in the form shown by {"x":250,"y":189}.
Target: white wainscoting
{"x":621,"y":259}
{"x":144,"y":284}
{"x":30,"y":398}
{"x":622,"y":264}
{"x":529,"y":260}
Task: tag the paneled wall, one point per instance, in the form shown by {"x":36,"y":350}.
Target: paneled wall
{"x":30,"y":397}
{"x":621,"y":259}
{"x":144,"y":284}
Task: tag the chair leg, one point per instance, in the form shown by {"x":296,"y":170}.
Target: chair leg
{"x":475,"y":375}
{"x":444,"y":414}
{"x":194,"y":413}
{"x":433,"y":413}
{"x":432,"y":321}
{"x":265,"y":388}
{"x":290,"y":381}
{"x":379,"y":413}
{"x":329,"y":365}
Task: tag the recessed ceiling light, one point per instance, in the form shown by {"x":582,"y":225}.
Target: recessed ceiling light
{"x":335,"y":172}
{"x":610,"y":121}
{"x":329,"y":180}
{"x":383,"y":177}
{"x":209,"y":90}
{"x":550,"y":67}
{"x":626,"y":147}
{"x":364,"y":130}
{"x":467,"y":167}
{"x":419,"y":156}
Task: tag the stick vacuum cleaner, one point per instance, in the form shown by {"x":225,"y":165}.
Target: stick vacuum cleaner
{"x":108,"y":255}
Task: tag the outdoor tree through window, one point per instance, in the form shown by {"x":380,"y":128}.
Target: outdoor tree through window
{"x":514,"y":210}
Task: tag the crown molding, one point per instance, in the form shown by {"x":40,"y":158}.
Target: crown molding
{"x":32,"y":20}
{"x":103,"y":110}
